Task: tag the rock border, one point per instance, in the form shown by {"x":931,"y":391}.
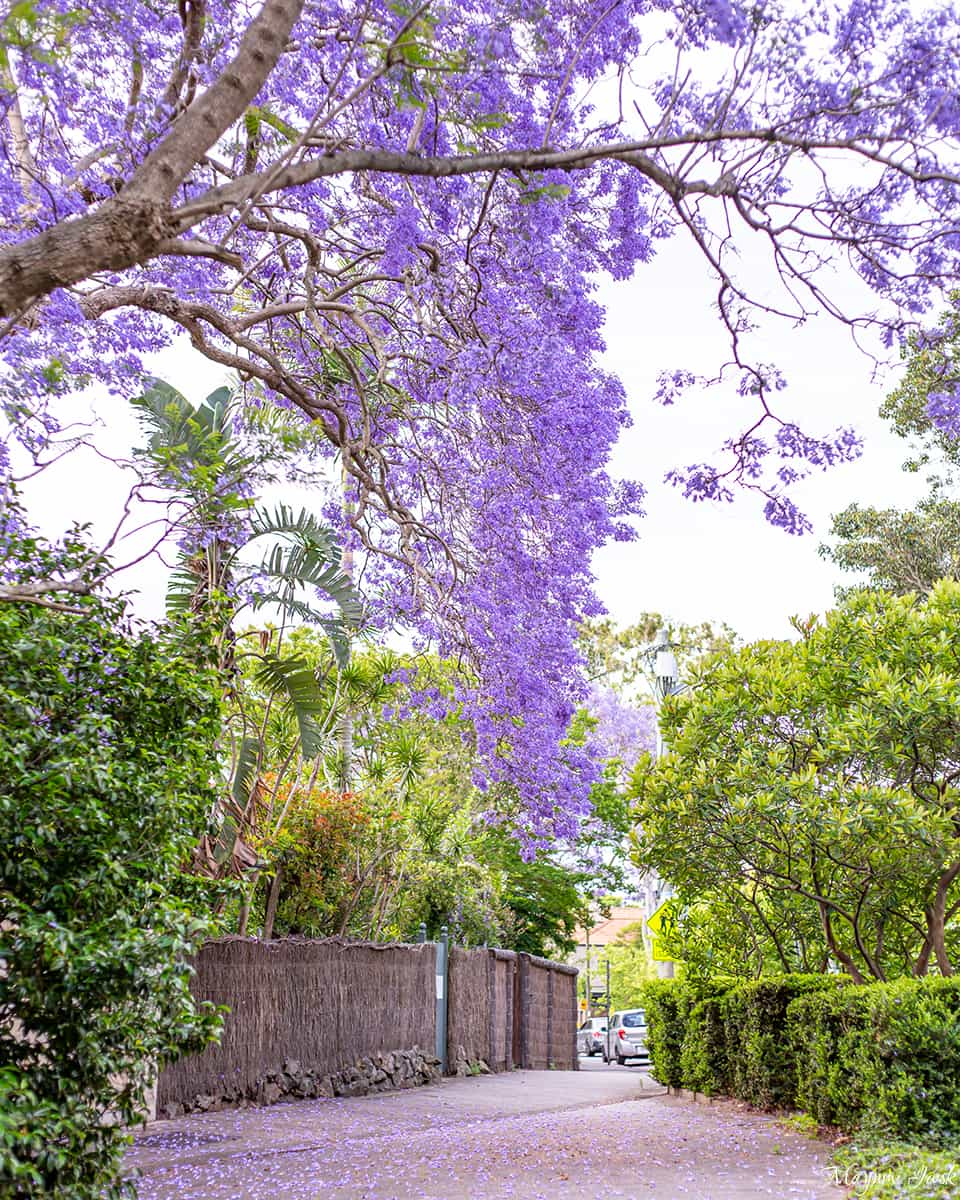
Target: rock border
{"x":395,"y":1071}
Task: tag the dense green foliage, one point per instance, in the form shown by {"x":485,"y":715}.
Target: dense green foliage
{"x":887,"y":1170}
{"x":413,"y":840}
{"x":668,"y":1003}
{"x":106,"y":760}
{"x":631,"y":967}
{"x":210,"y":461}
{"x":809,"y":800}
{"x":885,"y":1058}
{"x":881,"y":1058}
{"x":725,"y":1038}
{"x":899,"y":550}
{"x":761,"y":1068}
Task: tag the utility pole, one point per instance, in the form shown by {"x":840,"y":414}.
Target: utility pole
{"x":346,"y":722}
{"x":666,"y":683}
{"x":589,"y":994}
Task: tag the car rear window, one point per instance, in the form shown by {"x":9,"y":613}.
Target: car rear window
{"x":634,"y":1020}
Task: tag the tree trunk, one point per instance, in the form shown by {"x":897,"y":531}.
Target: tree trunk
{"x":273,"y":896}
{"x":841,"y":956}
{"x":244,"y":917}
{"x":922,"y":962}
{"x":936,"y":914}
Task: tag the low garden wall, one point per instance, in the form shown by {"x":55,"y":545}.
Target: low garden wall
{"x":509,"y":1010}
{"x":337,"y":1018}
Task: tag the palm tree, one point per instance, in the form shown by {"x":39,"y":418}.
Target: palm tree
{"x":236,"y":554}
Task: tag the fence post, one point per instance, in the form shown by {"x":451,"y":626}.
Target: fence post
{"x":550,"y":979}
{"x":443,"y":978}
{"x":422,"y":933}
{"x":525,"y":1001}
{"x":493,"y":1055}
{"x":576,"y":1020}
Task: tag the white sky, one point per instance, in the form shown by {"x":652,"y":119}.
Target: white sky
{"x":692,"y":561}
{"x":724,"y":561}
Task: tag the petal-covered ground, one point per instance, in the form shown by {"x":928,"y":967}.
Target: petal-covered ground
{"x":523,"y":1136}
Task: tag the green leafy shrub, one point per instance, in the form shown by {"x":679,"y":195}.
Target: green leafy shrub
{"x":666,"y":1003}
{"x":818,"y":1025}
{"x":888,"y":1170}
{"x":759,"y":1053}
{"x":885,"y":1058}
{"x":670,"y":1005}
{"x":106,"y":765}
{"x":704,"y":1060}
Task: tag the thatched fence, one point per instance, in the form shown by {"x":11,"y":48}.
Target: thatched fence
{"x":511,"y":1010}
{"x":332,"y":1017}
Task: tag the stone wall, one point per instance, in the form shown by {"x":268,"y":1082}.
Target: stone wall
{"x":396,"y":1071}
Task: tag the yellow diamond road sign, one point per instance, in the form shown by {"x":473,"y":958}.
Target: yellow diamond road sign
{"x":657,"y":952}
{"x":658,"y":921}
{"x":661,"y":916}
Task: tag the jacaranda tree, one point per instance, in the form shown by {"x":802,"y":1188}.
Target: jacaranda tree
{"x":391,"y":216}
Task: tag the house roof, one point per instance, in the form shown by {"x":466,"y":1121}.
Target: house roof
{"x":610,"y":928}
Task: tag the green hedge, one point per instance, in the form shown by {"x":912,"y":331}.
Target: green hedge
{"x":885,"y":1058}
{"x":882,"y":1057}
{"x":704,"y":1061}
{"x":668,"y":1004}
{"x":758,"y":1048}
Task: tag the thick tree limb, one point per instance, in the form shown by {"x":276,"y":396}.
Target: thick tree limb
{"x":131,"y":227}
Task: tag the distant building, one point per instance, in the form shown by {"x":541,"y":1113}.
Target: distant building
{"x":590,"y":953}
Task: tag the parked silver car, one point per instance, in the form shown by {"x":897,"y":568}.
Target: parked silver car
{"x":590,"y":1036}
{"x":626,"y":1037}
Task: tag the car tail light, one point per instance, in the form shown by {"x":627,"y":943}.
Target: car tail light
{"x":621,"y":1033}
{"x":596,"y":1033}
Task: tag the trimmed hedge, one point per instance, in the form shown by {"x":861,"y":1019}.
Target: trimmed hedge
{"x":760,"y":1055}
{"x":704,"y":1060}
{"x":668,"y":1004}
{"x":882,"y":1057}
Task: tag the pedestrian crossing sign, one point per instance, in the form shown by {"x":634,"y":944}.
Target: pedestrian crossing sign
{"x":660,"y":921}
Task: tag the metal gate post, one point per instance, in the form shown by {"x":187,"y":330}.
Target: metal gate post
{"x":443,"y":977}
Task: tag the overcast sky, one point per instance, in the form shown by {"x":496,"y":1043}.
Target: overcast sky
{"x":724,"y":561}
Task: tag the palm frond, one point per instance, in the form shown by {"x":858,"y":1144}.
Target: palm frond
{"x":304,"y":526}
{"x":337,"y":630}
{"x":295,"y":681}
{"x":307,"y":566}
{"x":242,"y":782}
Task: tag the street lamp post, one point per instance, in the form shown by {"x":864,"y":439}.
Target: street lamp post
{"x":666,"y":682}
{"x":666,"y":676}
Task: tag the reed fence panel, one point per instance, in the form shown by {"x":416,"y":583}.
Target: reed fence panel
{"x":325,"y":1003}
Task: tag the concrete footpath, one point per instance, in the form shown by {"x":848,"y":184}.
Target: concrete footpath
{"x":603,"y":1132}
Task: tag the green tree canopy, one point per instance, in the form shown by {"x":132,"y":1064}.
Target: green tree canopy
{"x":811,"y":792}
{"x":908,"y":550}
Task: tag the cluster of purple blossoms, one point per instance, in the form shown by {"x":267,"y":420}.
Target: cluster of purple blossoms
{"x":440,"y":327}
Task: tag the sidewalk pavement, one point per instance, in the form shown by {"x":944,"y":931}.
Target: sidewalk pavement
{"x":523,"y":1135}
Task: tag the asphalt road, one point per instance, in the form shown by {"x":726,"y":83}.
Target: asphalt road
{"x":605,"y":1131}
